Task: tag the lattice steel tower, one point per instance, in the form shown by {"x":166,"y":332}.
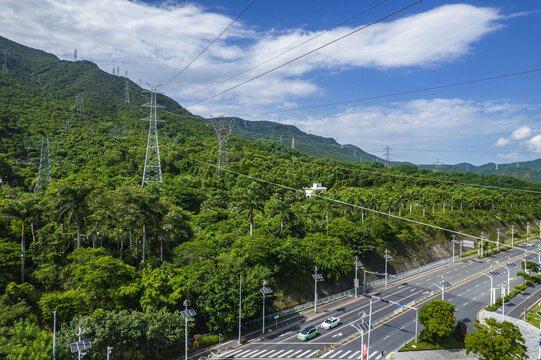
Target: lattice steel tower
{"x":293,"y":143}
{"x":152,"y":171}
{"x":127,"y":89}
{"x":223,"y":134}
{"x":387,"y":155}
{"x":44,"y":172}
{"x":79,"y":104}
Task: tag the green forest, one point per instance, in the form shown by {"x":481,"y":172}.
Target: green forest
{"x":118,"y":260}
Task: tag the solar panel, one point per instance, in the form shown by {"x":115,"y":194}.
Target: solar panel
{"x":317,"y":277}
{"x":388,"y":257}
{"x":358,"y":264}
{"x":188,"y":313}
{"x":445,"y":284}
{"x":266,"y":290}
{"x":80,"y":346}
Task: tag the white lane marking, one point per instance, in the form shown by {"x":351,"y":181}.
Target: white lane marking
{"x":374,"y":353}
{"x":465,"y":304}
{"x":276,"y":354}
{"x":257,"y":353}
{"x":327,"y":353}
{"x":354,"y":354}
{"x":386,"y":337}
{"x":412,"y":290}
{"x":296,"y":352}
{"x":270,"y":352}
{"x":287,"y":352}
{"x":242,"y":352}
{"x":344,"y":354}
{"x":304,"y":353}
{"x":379,"y":357}
{"x":249,"y":353}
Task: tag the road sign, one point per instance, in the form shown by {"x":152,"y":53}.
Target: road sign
{"x":364,"y":350}
{"x":468,"y":243}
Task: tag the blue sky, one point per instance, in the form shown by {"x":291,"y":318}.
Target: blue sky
{"x":429,"y":44}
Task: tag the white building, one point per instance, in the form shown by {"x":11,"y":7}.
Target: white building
{"x":310,"y":191}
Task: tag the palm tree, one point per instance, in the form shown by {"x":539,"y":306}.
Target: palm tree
{"x":21,"y":210}
{"x":251,"y":202}
{"x":74,"y":205}
{"x":281,"y":208}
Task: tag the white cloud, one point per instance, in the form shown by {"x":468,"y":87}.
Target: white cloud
{"x":521,"y":133}
{"x":502,"y":142}
{"x":534,"y":144}
{"x":154,"y":42}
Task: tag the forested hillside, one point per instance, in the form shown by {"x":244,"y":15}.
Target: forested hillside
{"x":119,"y":260}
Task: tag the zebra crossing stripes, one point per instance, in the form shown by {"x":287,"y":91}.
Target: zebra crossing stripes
{"x":331,"y":354}
{"x":344,"y":354}
{"x":352,"y":356}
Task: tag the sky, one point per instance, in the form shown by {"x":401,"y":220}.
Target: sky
{"x":428,"y":44}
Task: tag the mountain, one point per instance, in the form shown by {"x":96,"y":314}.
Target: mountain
{"x":526,"y":170}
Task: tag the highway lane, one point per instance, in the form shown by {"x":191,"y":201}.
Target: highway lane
{"x":468,"y":297}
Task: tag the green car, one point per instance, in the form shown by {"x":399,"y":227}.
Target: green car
{"x":307,"y":333}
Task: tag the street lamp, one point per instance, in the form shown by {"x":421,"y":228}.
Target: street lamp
{"x":54,"y":336}
{"x":357,"y":266}
{"x":387,"y":258}
{"x":317,"y":277}
{"x":187,"y":314}
{"x":240,"y":307}
{"x":491,"y":275}
{"x":455,"y":241}
{"x":265,"y":291}
{"x":442,"y":285}
{"x":525,"y":260}
{"x":512,"y":235}
{"x":498,"y":234}
{"x":503,"y":303}
{"x":109,"y":350}
{"x":508,"y":267}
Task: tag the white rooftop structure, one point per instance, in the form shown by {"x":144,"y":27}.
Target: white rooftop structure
{"x":310,"y":191}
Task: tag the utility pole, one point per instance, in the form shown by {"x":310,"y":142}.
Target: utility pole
{"x":54,"y":335}
{"x":152,"y":171}
{"x":387,"y":155}
{"x":512,"y":235}
{"x":293,"y":143}
{"x":265,"y":291}
{"x":387,"y":258}
{"x":187,"y":314}
{"x":317,"y":277}
{"x":222,"y":134}
{"x":356,"y":281}
{"x":75,"y":55}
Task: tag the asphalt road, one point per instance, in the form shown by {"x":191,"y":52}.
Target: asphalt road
{"x":468,"y":296}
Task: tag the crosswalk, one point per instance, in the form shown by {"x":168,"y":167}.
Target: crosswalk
{"x":331,"y":354}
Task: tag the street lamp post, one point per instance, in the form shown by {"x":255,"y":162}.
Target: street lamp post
{"x":369,"y":328}
{"x":356,"y":281}
{"x":512,"y":235}
{"x":240,"y":307}
{"x":317,"y":277}
{"x":442,"y":285}
{"x":109,"y":350}
{"x":265,"y":291}
{"x":498,"y":234}
{"x":455,"y":241}
{"x":54,"y":335}
{"x":508,"y":267}
{"x":187,"y":314}
{"x":387,"y":258}
{"x":503,"y":303}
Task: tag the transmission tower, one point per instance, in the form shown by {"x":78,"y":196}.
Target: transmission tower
{"x":5,"y":63}
{"x":152,"y":171}
{"x":79,"y":104}
{"x":67,"y":125}
{"x":113,"y":70}
{"x":127,"y":97}
{"x":387,"y":155}
{"x":222,"y":133}
{"x":44,"y":172}
{"x":437,"y":168}
{"x":293,"y":143}
{"x":118,"y":70}
{"x":75,"y":55}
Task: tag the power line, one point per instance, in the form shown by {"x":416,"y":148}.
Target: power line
{"x":401,"y":92}
{"x":357,"y":206}
{"x":307,"y":53}
{"x":209,"y":45}
{"x":296,"y":46}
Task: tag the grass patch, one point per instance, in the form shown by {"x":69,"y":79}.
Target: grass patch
{"x":533,"y":317}
{"x":449,"y":342}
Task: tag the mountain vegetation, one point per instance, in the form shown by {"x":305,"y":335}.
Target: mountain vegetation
{"x":119,"y":260}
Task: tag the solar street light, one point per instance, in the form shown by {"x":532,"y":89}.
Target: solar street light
{"x":356,"y":281}
{"x":187,"y":314}
{"x":387,"y":258}
{"x":317,"y":277}
{"x":265,"y":291}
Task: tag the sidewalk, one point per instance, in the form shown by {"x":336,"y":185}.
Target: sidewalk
{"x":451,"y":354}
{"x":529,"y":332}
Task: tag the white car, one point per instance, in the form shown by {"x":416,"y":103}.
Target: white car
{"x":330,"y":323}
{"x":530,"y":245}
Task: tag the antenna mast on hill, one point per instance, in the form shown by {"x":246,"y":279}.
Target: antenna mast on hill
{"x":387,"y":155}
{"x":223,"y":134}
{"x":152,"y":171}
{"x":75,"y":55}
{"x":5,"y":64}
{"x":293,"y":143}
